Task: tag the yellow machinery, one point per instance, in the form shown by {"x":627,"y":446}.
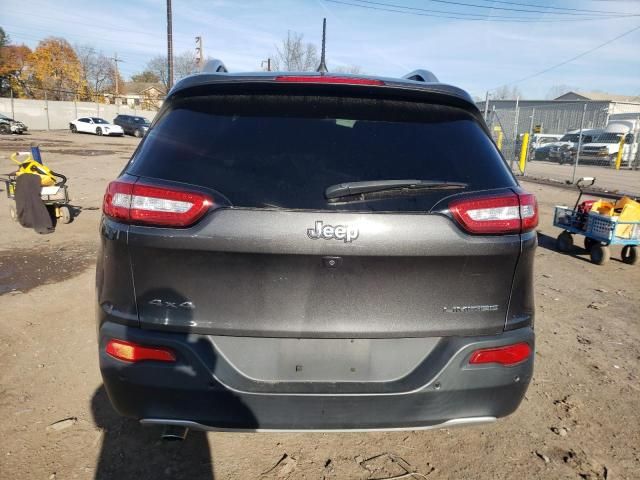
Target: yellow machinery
{"x":29,"y":165}
{"x":54,"y":189}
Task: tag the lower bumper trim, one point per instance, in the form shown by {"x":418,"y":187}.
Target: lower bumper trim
{"x":455,"y":422}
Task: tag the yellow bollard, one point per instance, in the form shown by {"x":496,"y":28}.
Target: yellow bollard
{"x":499,"y":141}
{"x":620,"y":152}
{"x":523,"y":152}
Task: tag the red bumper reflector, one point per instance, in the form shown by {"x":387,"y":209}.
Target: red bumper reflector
{"x":132,"y":352}
{"x":509,"y":355}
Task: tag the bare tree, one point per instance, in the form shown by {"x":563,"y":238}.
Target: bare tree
{"x":184,"y":64}
{"x":559,"y":90}
{"x":145,"y":76}
{"x":98,"y":71}
{"x":506,"y":93}
{"x":158,"y":66}
{"x":294,"y":55}
{"x":354,"y":69}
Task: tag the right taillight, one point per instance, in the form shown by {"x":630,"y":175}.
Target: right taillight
{"x":160,"y":206}
{"x":496,"y":214}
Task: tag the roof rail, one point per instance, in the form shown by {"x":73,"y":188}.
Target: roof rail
{"x":422,"y":76}
{"x":214,"y":66}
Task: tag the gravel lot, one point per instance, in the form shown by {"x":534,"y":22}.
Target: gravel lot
{"x":580,"y":418}
{"x":624,"y":180}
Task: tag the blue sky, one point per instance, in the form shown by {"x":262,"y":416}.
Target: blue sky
{"x":477,"y":54}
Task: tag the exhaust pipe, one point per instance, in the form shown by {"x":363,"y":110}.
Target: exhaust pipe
{"x":174,"y":433}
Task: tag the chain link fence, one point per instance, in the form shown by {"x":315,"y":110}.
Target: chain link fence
{"x":563,"y":141}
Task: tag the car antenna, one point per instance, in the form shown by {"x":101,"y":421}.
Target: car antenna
{"x":322,"y":68}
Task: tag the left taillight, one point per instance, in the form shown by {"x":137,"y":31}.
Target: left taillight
{"x":133,"y":352}
{"x":496,"y":214}
{"x":145,"y":204}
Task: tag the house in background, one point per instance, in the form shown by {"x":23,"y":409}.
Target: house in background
{"x":598,"y":97}
{"x":143,"y":95}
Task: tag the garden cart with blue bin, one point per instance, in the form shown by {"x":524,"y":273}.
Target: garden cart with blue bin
{"x":602,"y":223}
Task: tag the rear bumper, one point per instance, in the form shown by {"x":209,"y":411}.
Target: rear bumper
{"x":204,"y":390}
{"x":605,"y":157}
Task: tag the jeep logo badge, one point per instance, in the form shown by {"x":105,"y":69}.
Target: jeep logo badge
{"x":345,"y":233}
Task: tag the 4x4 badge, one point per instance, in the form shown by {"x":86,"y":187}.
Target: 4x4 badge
{"x":346,"y":233}
{"x":157,"y":302}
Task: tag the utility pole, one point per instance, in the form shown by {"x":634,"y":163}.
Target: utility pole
{"x":199,"y":52}
{"x":268,"y":63}
{"x":116,"y":60}
{"x":486,"y":106}
{"x":169,"y":47}
{"x":575,"y":164}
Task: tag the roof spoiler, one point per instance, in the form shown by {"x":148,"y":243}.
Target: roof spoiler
{"x":421,"y":76}
{"x":214,"y":66}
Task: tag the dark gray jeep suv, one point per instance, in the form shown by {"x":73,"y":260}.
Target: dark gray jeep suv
{"x":316,"y":252}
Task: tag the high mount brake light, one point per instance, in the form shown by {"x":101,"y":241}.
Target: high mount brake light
{"x":145,"y":204}
{"x":132,"y":352}
{"x":328,"y":79}
{"x":507,"y":356}
{"x":497,"y":214}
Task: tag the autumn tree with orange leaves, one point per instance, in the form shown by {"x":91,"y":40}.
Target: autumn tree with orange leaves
{"x":15,"y":71}
{"x":56,"y":68}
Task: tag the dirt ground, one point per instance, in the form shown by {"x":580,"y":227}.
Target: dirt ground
{"x":580,"y":418}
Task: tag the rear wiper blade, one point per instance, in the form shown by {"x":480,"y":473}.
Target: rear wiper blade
{"x":369,"y":186}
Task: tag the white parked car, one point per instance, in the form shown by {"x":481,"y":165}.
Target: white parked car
{"x":96,"y":125}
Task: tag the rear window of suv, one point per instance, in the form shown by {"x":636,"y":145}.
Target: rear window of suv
{"x":284,"y":151}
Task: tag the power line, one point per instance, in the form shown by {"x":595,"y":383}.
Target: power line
{"x":482,"y":16}
{"x":126,"y":71}
{"x":469,"y":16}
{"x":16,"y":31}
{"x":591,"y":50}
{"x":103,"y":26}
{"x":552,"y":7}
{"x":487,"y":7}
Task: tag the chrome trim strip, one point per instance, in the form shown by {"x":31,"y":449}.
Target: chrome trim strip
{"x":455,"y":422}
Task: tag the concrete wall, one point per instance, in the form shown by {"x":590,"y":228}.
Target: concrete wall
{"x":55,"y":115}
